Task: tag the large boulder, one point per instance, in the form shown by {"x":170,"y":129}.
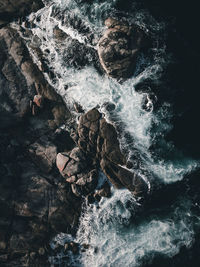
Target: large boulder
{"x":99,"y":141}
{"x":119,"y":47}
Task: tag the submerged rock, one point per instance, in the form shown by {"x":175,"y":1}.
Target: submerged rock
{"x":119,"y":47}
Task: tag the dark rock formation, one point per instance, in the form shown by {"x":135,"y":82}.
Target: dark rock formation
{"x":98,"y":139}
{"x":104,"y":191}
{"x":35,"y":203}
{"x":97,"y":146}
{"x":11,"y":9}
{"x":78,"y":170}
{"x":119,"y":47}
{"x":20,"y":81}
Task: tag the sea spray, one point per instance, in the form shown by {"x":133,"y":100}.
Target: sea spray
{"x":115,"y":239}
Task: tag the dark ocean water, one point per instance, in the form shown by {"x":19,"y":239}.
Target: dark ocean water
{"x":164,"y":135}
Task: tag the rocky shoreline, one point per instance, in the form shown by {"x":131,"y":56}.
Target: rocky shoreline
{"x":35,"y":203}
{"x":49,"y":163}
{"x":38,"y":201}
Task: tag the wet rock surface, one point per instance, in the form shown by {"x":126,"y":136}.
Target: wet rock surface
{"x":119,"y":47}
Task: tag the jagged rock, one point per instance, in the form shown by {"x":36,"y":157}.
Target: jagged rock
{"x":106,"y":167}
{"x":104,"y":144}
{"x":38,"y":100}
{"x":118,"y":48}
{"x":122,"y":177}
{"x":74,"y":167}
{"x":61,"y":161}
{"x":110,"y":145}
{"x":77,"y":154}
{"x":93,"y":115}
{"x":88,"y":182}
{"x":20,"y":80}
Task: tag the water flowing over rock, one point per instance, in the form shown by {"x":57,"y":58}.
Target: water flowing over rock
{"x":119,"y":47}
{"x":57,"y":206}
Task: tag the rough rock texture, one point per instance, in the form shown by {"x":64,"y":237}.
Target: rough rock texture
{"x":78,"y":170}
{"x":35,"y":202}
{"x":12,"y":9}
{"x":119,"y":46}
{"x":20,"y":80}
{"x":98,"y":140}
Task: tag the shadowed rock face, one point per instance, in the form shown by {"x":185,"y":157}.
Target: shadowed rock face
{"x":35,"y":202}
{"x":12,"y":9}
{"x":20,"y":80}
{"x":119,"y":47}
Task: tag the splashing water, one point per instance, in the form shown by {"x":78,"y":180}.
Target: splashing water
{"x":109,"y":226}
{"x":121,"y":241}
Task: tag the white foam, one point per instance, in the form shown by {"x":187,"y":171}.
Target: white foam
{"x":90,"y":89}
{"x":108,"y":227}
{"x":122,"y":243}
